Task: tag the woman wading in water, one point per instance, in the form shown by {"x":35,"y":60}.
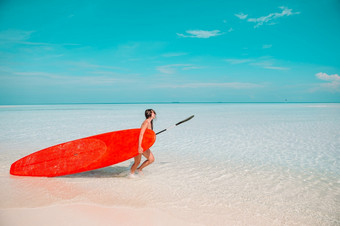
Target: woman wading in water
{"x":147,"y":124}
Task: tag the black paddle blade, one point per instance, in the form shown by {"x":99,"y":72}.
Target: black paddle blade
{"x":185,"y":120}
{"x":176,"y":124}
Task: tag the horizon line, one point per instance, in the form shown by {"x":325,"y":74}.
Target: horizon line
{"x":184,"y":102}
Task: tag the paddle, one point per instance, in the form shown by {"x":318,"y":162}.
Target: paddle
{"x":176,"y":124}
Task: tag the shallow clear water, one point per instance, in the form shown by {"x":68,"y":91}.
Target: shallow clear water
{"x":259,"y":164}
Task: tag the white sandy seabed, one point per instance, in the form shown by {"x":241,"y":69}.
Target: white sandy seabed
{"x":233,"y":164}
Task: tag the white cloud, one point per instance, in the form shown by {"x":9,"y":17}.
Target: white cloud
{"x":15,"y":35}
{"x":39,"y":74}
{"x":231,"y":85}
{"x":333,"y":81}
{"x":83,"y":64}
{"x":174,"y":54}
{"x":242,"y":16}
{"x":104,"y":78}
{"x":268,"y":65}
{"x":325,"y":77}
{"x":238,"y":61}
{"x":22,"y":37}
{"x":172,"y":68}
{"x":267,"y":46}
{"x":260,"y":62}
{"x":269,"y":18}
{"x":285,"y":12}
{"x":200,"y":34}
{"x":276,"y":68}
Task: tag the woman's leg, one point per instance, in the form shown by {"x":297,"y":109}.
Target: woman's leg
{"x":135,"y":164}
{"x":149,"y":159}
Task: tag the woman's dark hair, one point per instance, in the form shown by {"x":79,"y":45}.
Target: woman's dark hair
{"x":148,"y":113}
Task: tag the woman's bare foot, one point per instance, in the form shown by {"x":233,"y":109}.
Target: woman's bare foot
{"x":131,"y":176}
{"x":140,"y":172}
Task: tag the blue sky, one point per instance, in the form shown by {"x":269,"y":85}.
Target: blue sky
{"x":165,"y":51}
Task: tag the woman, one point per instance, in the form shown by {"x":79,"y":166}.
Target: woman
{"x":147,"y":124}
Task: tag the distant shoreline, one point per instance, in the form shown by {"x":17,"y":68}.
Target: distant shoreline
{"x":123,"y":103}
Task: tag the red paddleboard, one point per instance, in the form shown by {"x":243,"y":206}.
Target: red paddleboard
{"x":83,"y":154}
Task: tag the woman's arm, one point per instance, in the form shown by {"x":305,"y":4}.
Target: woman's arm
{"x":141,"y":134}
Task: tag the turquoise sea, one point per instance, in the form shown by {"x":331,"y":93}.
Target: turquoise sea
{"x":232,"y":164}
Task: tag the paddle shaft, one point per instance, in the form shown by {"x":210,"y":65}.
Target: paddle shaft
{"x":185,"y":120}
